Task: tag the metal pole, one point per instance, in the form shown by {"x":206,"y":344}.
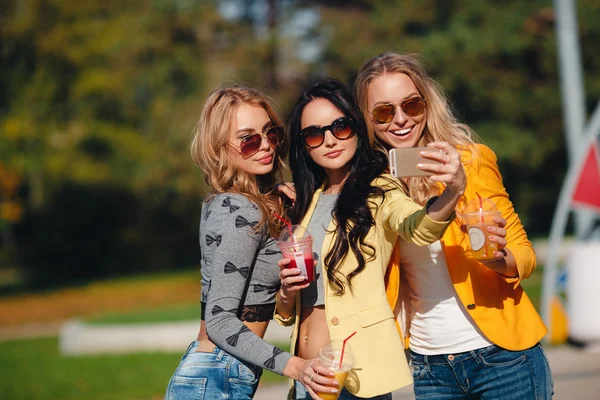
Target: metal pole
{"x":569,"y":55}
{"x":561,"y":215}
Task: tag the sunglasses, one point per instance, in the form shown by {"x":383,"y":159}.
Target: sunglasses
{"x":250,"y":144}
{"x":314,"y":136}
{"x":384,"y":113}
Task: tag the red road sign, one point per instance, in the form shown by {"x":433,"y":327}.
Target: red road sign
{"x":587,"y":191}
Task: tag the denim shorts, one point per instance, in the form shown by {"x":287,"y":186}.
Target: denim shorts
{"x":302,"y":394}
{"x":213,"y":375}
{"x":488,"y":373}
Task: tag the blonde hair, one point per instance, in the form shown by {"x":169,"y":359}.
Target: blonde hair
{"x":441,"y":123}
{"x":209,"y":151}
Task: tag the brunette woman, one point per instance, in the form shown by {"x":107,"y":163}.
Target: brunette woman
{"x":356,"y":214}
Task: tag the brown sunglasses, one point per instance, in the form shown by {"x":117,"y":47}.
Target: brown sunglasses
{"x":250,"y":145}
{"x":384,"y":113}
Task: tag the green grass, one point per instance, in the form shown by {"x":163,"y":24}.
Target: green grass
{"x":34,"y":370}
{"x":533,"y":286}
{"x":191,"y":311}
{"x":165,"y":314}
{"x":12,"y":284}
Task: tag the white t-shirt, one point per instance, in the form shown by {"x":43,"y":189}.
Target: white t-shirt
{"x":439,"y":323}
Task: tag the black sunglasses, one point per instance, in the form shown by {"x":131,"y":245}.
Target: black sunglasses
{"x":342,"y":129}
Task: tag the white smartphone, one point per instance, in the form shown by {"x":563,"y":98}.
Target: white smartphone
{"x":403,"y":162}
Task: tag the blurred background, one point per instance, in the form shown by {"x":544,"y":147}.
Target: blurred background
{"x":100,"y":202}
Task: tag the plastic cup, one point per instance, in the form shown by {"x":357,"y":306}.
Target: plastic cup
{"x":297,"y":248}
{"x":329,"y":357}
{"x":478,"y":216}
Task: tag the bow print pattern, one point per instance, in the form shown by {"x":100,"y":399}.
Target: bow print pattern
{"x":241,"y":222}
{"x":227,"y":203}
{"x":213,"y":239}
{"x":233,"y":339}
{"x":230,"y":269}
{"x":207,"y":214}
{"x":218,"y":310}
{"x":261,"y":288}
{"x":270,"y":252}
{"x":270,"y":363}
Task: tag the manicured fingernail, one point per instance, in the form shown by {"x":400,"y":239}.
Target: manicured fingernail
{"x":333,"y":390}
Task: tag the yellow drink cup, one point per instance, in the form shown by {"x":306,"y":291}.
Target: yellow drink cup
{"x":330,"y":356}
{"x":478,"y":216}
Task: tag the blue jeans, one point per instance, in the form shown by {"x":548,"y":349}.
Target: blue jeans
{"x":302,"y":394}
{"x":489,"y":373}
{"x":216,"y":375}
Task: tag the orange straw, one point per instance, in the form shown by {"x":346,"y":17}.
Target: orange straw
{"x":344,"y":349}
{"x":289,"y":225}
{"x":480,"y":206}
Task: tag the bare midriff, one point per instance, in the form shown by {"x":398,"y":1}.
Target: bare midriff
{"x":205,"y":345}
{"x":313,"y":333}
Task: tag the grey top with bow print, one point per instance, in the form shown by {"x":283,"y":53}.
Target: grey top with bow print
{"x":228,"y":244}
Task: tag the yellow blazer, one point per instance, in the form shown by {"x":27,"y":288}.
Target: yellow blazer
{"x":381,"y":365}
{"x":497,"y":304}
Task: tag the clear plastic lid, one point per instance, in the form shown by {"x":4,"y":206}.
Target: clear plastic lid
{"x":298,"y":231}
{"x":479,"y":206}
{"x":331,"y":354}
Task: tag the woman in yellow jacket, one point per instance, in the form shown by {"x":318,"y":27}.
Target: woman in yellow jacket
{"x":355,"y":215}
{"x":473,"y":331}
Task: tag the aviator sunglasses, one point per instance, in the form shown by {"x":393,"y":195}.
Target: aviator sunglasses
{"x":384,"y":113}
{"x":314,"y":136}
{"x":250,"y":145}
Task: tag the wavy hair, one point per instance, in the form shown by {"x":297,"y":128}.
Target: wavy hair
{"x":441,"y":123}
{"x":209,"y":151}
{"x":351,"y":211}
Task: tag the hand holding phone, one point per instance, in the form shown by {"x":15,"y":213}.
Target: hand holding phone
{"x":403,"y":162}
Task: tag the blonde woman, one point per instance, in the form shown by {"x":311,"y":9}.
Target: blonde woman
{"x":473,"y":332}
{"x":239,"y":145}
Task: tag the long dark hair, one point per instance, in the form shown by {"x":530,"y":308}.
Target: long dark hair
{"x":351,"y":212}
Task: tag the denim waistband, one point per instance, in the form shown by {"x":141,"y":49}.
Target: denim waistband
{"x":455,"y":357}
{"x":217,"y":351}
{"x":222,"y":355}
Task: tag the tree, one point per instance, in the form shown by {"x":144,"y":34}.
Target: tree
{"x":10,"y":207}
{"x":497,"y":61}
{"x":97,"y":105}
{"x":99,"y":97}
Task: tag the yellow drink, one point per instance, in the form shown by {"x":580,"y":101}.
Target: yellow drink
{"x":478,"y":215}
{"x":482,"y":247}
{"x":340,"y":376}
{"x":331,"y":356}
